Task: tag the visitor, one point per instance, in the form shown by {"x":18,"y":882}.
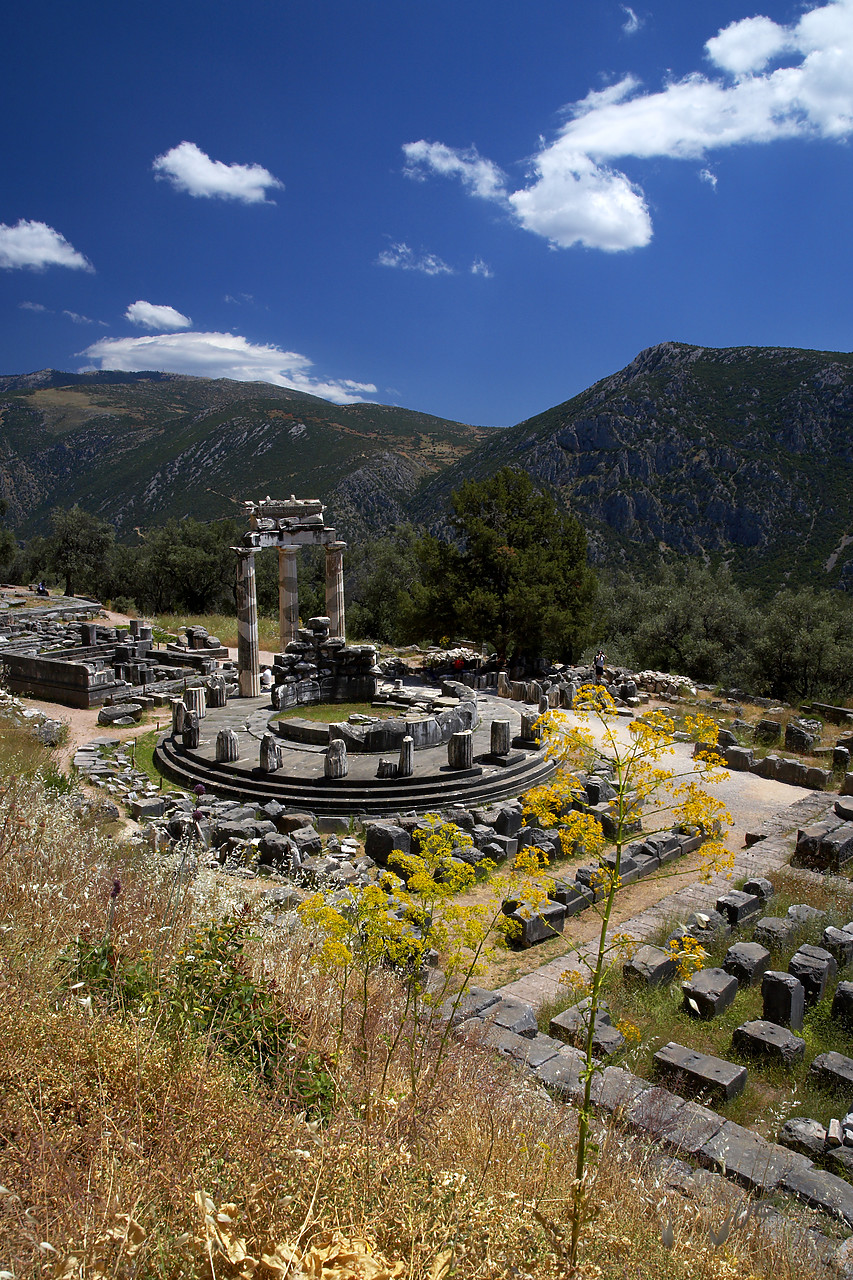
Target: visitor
{"x":598,"y":663}
{"x":266,"y":678}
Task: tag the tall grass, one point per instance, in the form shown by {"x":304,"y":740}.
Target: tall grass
{"x":130,"y":1149}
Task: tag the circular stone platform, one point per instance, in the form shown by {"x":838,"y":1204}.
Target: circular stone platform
{"x":301,"y":783}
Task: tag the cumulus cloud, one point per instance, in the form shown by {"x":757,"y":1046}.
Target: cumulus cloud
{"x":402,"y":256}
{"x":150,"y":316}
{"x":481,"y":268}
{"x":223,"y":355}
{"x":36,"y":245}
{"x":574,"y":193}
{"x":707,"y":175}
{"x":188,"y":169}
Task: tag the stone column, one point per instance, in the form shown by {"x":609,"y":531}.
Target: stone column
{"x":270,"y":755}
{"x":190,"y":733}
{"x":227,"y":746}
{"x":460,"y":750}
{"x":335,"y":764}
{"x":248,"y":647}
{"x":528,"y":733}
{"x":288,"y":596}
{"x":195,"y":700}
{"x":500,"y":738}
{"x":406,"y":764}
{"x":335,"y":588}
{"x":179,"y":711}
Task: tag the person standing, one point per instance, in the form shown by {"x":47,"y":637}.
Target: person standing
{"x":598,"y":663}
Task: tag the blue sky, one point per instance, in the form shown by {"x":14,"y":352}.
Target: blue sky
{"x":475,"y":208}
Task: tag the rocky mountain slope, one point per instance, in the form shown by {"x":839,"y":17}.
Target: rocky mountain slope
{"x":744,"y":452}
{"x":137,"y":448}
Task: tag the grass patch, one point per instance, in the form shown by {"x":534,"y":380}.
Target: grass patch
{"x":335,"y":712}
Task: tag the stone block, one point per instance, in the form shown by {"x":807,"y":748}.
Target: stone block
{"x":655,"y":1111}
{"x":758,"y":1165}
{"x":820,"y":1190}
{"x":537,"y":922}
{"x":842,"y":1004}
{"x":709,"y":992}
{"x":614,"y":1089}
{"x":762,"y":1039}
{"x":561,"y":1075}
{"x":513,"y":1015}
{"x":759,"y":887}
{"x":707,"y":925}
{"x":571,"y":896}
{"x":738,"y":907}
{"x":768,"y":731}
{"x":508,"y":821}
{"x":381,"y":839}
{"x":793,"y":772}
{"x":473,"y":1003}
{"x":839,"y":942}
{"x":308,"y":842}
{"x":804,"y":1135}
{"x":747,"y":962}
{"x":833,"y":1071}
{"x":700,"y":1072}
{"x":739,"y":759}
{"x":784,"y":999}
{"x":650,"y":965}
{"x":814,"y":967}
{"x":572,"y":1027}
{"x":775,"y":932}
{"x":689,"y":1128}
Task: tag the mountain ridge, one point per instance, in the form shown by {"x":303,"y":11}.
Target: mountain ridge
{"x":743,"y":454}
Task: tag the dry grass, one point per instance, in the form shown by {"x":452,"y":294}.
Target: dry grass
{"x":127,"y":1150}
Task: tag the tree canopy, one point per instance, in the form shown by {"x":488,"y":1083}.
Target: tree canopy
{"x":516,"y":574}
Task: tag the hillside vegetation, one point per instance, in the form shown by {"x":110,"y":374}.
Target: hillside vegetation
{"x":741,"y":453}
{"x":137,"y":449}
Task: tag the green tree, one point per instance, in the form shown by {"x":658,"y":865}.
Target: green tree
{"x":684,"y":616}
{"x":516,"y":574}
{"x":805,"y":646}
{"x":187,"y":565}
{"x":78,"y":547}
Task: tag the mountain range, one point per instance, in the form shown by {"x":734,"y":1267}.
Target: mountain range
{"x":740,"y":453}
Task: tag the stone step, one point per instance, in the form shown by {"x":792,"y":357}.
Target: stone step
{"x":333,"y":797}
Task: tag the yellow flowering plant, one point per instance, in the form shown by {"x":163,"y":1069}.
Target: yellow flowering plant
{"x":639,"y":756}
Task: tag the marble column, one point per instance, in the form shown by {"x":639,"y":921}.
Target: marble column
{"x":335,"y":588}
{"x":248,"y":647}
{"x":288,"y":596}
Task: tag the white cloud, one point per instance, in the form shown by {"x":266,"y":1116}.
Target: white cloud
{"x":576,"y":196}
{"x":189,"y":169}
{"x":706,"y":175}
{"x":747,"y":45}
{"x":33,"y":306}
{"x":36,"y":245}
{"x":77,"y":318}
{"x":481,"y":268}
{"x":402,"y":256}
{"x":222,"y":355}
{"x":576,"y":201}
{"x":632,"y":22}
{"x":480,"y":176}
{"x":150,"y":316}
